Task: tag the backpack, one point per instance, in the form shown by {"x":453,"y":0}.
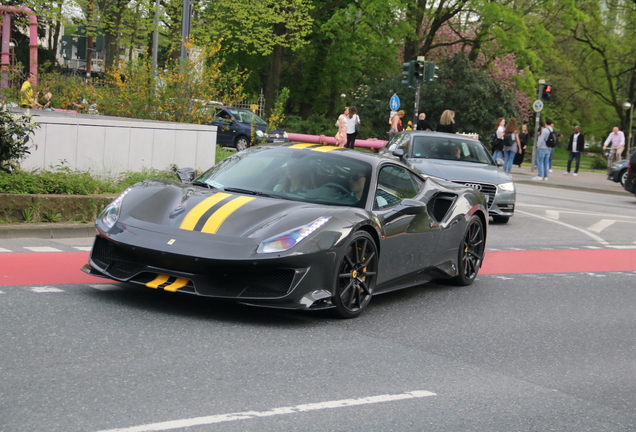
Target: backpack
{"x":551,"y":140}
{"x":496,"y":143}
{"x":508,"y":141}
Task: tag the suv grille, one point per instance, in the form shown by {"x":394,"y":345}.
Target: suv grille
{"x":487,"y":189}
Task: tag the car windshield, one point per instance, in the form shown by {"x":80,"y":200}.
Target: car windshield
{"x":319,"y":177}
{"x":451,"y":149}
{"x":246,"y":116}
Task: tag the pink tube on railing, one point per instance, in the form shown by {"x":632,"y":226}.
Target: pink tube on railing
{"x":33,"y":36}
{"x":322,"y":139}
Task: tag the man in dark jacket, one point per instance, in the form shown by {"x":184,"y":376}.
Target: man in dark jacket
{"x":575,"y":147}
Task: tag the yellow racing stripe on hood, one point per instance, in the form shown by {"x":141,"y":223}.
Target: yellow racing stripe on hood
{"x":215,"y":221}
{"x":304,"y":145}
{"x":325,"y":149}
{"x":191,"y":219}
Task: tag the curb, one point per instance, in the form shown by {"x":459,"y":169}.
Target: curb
{"x":46,"y":231}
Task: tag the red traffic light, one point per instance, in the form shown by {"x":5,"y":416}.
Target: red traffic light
{"x":548,"y":89}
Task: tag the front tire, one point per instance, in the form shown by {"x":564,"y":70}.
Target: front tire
{"x":623,"y":177}
{"x":471,"y":252}
{"x":241,"y":143}
{"x":356,"y":276}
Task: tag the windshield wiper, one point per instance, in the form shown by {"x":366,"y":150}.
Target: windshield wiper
{"x":204,"y":184}
{"x":251,"y":192}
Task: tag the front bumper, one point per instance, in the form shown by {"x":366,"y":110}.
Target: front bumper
{"x":292,"y":282}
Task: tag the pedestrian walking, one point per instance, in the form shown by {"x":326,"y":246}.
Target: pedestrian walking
{"x":524,"y":136}
{"x":396,"y":124}
{"x":617,"y":140}
{"x":497,"y":143}
{"x":27,"y":95}
{"x":543,"y":151}
{"x":575,"y":147}
{"x":353,"y":127}
{"x":512,"y":145}
{"x":341,"y":124}
{"x":422,"y":123}
{"x":447,"y":122}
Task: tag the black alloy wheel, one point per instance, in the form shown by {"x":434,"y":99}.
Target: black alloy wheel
{"x":471,"y":252}
{"x":356,"y":276}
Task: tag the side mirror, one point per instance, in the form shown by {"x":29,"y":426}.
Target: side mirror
{"x":186,"y":175}
{"x":398,"y":153}
{"x":499,"y":162}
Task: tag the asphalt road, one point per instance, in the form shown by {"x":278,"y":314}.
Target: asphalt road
{"x":513,"y":352}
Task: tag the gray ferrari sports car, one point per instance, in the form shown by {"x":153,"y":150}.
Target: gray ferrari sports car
{"x":296,"y":226}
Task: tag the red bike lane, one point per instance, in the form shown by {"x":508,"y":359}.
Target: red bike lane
{"x":64,"y":267}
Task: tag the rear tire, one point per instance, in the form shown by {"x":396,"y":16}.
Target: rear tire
{"x":356,"y":276}
{"x":471,"y":252}
{"x":623,"y":177}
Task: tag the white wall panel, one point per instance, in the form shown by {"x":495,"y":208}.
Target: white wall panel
{"x":111,"y":145}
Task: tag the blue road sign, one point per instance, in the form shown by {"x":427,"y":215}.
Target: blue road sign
{"x":394,"y":103}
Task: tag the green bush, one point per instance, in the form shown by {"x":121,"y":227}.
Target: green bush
{"x":62,"y":180}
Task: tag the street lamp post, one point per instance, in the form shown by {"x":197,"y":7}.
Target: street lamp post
{"x":630,"y":142}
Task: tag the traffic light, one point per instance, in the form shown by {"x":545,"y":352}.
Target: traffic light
{"x":431,"y":69}
{"x":408,"y":73}
{"x":418,"y":71}
{"x":546,"y":95}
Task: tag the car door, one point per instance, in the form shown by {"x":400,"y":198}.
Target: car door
{"x":408,"y":239}
{"x":224,"y":123}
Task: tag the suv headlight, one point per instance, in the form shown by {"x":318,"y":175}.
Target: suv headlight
{"x":508,"y":187}
{"x":291,"y":238}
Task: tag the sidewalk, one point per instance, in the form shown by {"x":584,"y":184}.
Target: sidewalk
{"x":585,"y":181}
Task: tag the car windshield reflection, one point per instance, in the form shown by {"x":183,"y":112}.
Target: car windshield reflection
{"x":293,"y":174}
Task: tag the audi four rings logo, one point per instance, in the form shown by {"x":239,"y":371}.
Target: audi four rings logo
{"x":473,"y":185}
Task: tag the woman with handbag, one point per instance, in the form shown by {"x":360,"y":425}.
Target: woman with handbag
{"x":353,"y":127}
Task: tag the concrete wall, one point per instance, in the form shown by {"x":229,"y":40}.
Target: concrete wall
{"x":112,"y":145}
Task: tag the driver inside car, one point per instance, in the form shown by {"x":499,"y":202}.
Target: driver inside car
{"x":298,"y":178}
{"x":455,"y":152}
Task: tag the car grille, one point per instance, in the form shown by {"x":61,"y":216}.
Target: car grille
{"x":215,"y":279}
{"x":487,"y":189}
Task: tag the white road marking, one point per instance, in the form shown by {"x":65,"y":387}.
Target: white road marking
{"x":5,"y":250}
{"x":594,"y":236}
{"x":45,"y":289}
{"x":42,"y":249}
{"x":2,"y":292}
{"x":247,"y":415}
{"x":623,"y":247}
{"x":593,"y":247}
{"x":83,"y":248}
{"x":106,"y":287}
{"x":601,"y":225}
{"x":552,"y":214}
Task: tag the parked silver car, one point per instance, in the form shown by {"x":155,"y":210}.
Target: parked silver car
{"x":458,"y":159}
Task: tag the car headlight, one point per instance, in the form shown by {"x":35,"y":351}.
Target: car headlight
{"x":508,"y":187}
{"x":110,"y":215}
{"x":259,"y":133}
{"x":291,"y":238}
{"x":615,"y":166}
{"x":285,"y":135}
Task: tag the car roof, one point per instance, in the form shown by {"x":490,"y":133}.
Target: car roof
{"x":372,"y":158}
{"x":438,"y":134}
